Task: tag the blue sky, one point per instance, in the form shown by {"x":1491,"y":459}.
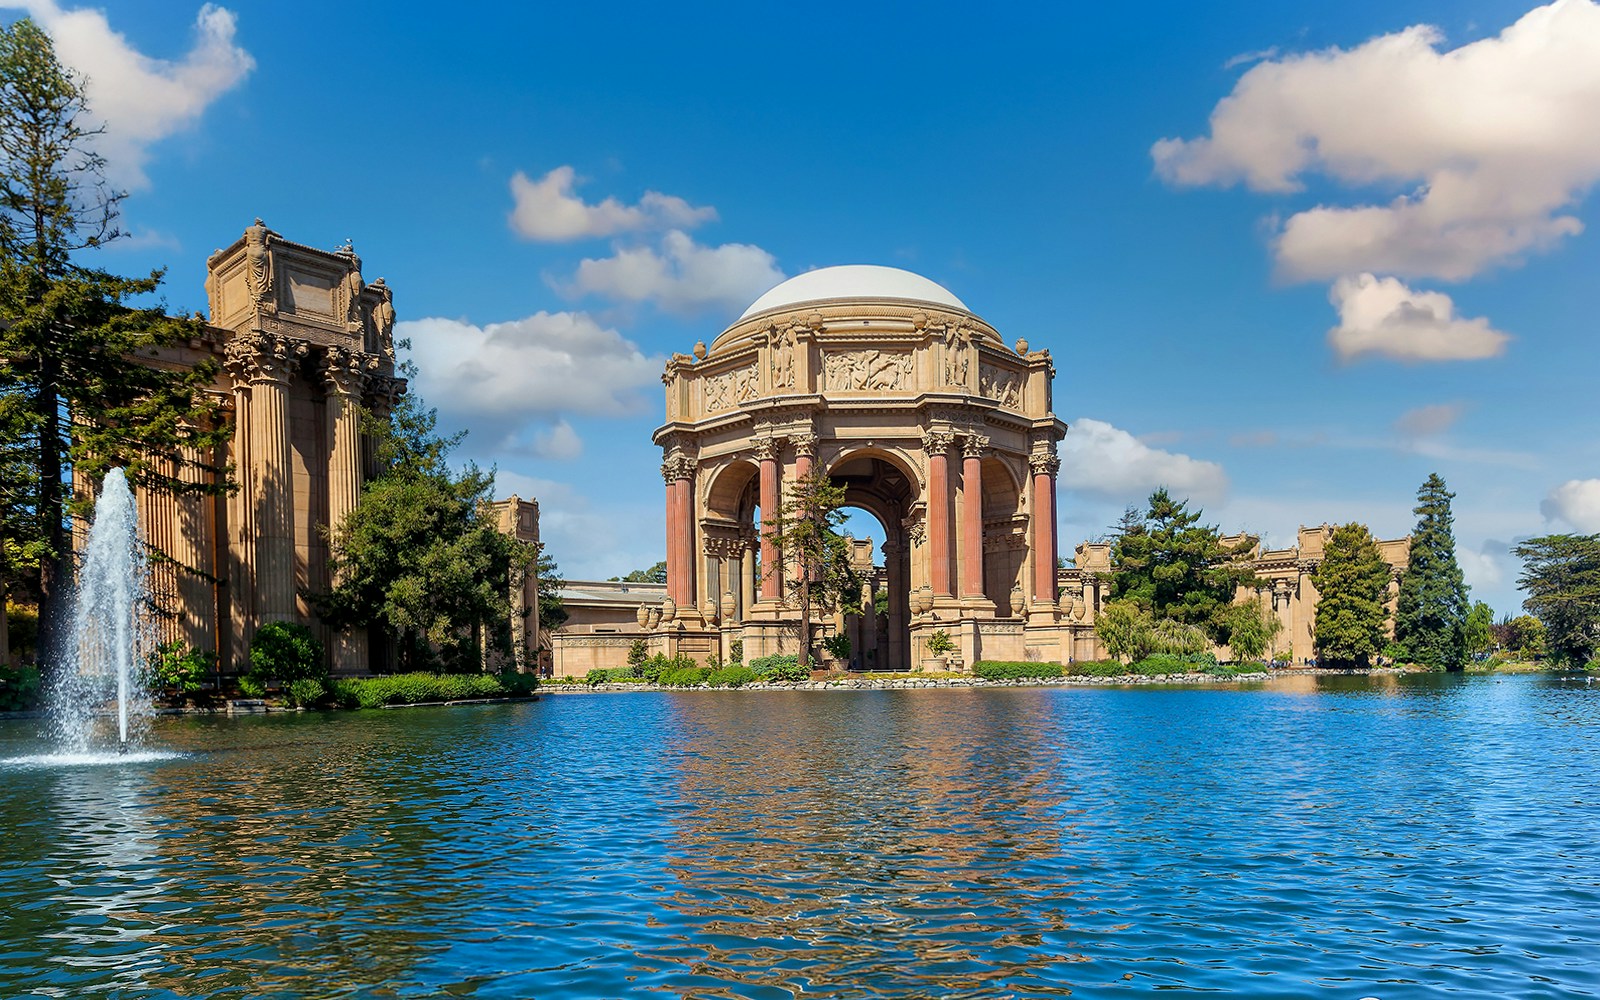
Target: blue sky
{"x":1180,"y":201}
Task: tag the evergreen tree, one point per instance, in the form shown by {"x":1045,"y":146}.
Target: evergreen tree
{"x":1352,"y":582}
{"x":1174,"y":567}
{"x":806,"y":529}
{"x":77,"y":393}
{"x":1252,"y":627}
{"x":1431,"y":618}
{"x":1561,"y":576}
{"x":552,"y":613}
{"x":1480,"y":629}
{"x":417,"y":556}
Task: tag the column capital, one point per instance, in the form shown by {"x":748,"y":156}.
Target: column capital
{"x":383,"y":391}
{"x":678,"y":466}
{"x":1043,"y":464}
{"x":938,"y":442}
{"x":345,"y":372}
{"x":804,"y":444}
{"x":264,"y":358}
{"x":974,"y":446}
{"x":766,"y":449}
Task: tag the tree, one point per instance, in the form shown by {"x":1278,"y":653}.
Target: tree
{"x":1431,"y":618}
{"x":1479,"y":633}
{"x":1523,"y":635}
{"x":1251,"y":628}
{"x":78,"y":395}
{"x":552,"y":613}
{"x":655,"y":574}
{"x":1561,"y":576}
{"x":418,"y":556}
{"x":1174,"y":567}
{"x":1123,"y":628}
{"x":805,"y":528}
{"x":1353,"y":583}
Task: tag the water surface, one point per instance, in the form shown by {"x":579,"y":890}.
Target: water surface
{"x":1342,"y":837}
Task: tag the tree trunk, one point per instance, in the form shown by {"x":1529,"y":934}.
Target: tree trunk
{"x":53,"y":572}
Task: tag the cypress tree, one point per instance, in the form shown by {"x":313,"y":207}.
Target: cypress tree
{"x":1352,"y":582}
{"x":1431,"y":619}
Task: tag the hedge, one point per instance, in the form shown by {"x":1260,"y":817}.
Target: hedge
{"x":409,"y":689}
{"x":1015,"y":670}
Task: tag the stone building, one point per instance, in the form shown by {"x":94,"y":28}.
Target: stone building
{"x":303,"y":341}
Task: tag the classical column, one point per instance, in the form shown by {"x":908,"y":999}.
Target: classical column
{"x":896,"y":566}
{"x":937,"y":445}
{"x":805,"y":450}
{"x":1044,"y":526}
{"x":681,"y":583}
{"x":972,"y":450}
{"x":271,"y":364}
{"x":344,"y":376}
{"x":669,"y":476}
{"x":747,"y":581}
{"x":771,"y":576}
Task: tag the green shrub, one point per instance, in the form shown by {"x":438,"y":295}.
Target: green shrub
{"x":173,"y":666}
{"x":518,"y":685}
{"x":1098,"y":668}
{"x":714,"y":662}
{"x":685,"y":677}
{"x":779,"y":667}
{"x":305,"y":692}
{"x":599,"y":675}
{"x":285,"y":652}
{"x":939,"y":643}
{"x":252,"y":686}
{"x":1012,"y":670}
{"x":1163,"y":664}
{"x":638,"y":653}
{"x":838,"y":646}
{"x":736,"y":652}
{"x":1283,"y":658}
{"x":732,"y":677}
{"x":19,"y":688}
{"x":1234,"y":669}
{"x":411,"y":689}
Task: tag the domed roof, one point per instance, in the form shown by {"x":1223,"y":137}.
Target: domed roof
{"x":854,"y":281}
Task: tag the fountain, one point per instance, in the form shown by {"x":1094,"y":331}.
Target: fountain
{"x":108,"y":623}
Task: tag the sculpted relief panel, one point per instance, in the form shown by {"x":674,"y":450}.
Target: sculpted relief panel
{"x":730,"y":388}
{"x":867,"y":369}
{"x":1000,"y":383}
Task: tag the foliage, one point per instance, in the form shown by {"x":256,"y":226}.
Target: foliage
{"x":305,"y":692}
{"x":1431,"y":616}
{"x":1162,"y":665}
{"x":714,"y":662}
{"x":1098,"y":668}
{"x":685,"y":677}
{"x":655,"y":574}
{"x":69,"y":396}
{"x":653,"y":668}
{"x":805,"y":528}
{"x":1353,"y":581}
{"x":1013,"y":670}
{"x":638,"y":653}
{"x":1175,"y":568}
{"x":252,"y":686}
{"x":1283,"y":657}
{"x":1169,"y":637}
{"x":23,"y":623}
{"x":286,"y":651}
{"x":418,"y":687}
{"x":1252,"y":627}
{"x":736,"y":651}
{"x":552,"y":613}
{"x":418,"y":556}
{"x":779,"y":667}
{"x":597,"y":675}
{"x":1479,"y":634}
{"x":880,"y":603}
{"x":838,"y":646}
{"x":1123,"y":627}
{"x":19,"y":688}
{"x":940,"y":643}
{"x":173,"y":666}
{"x":1523,"y":635}
{"x":1561,"y":576}
{"x":731,"y":677}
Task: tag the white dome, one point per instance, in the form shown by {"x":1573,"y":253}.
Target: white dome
{"x":854,"y":281}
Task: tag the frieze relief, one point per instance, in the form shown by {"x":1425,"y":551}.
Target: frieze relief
{"x":1001,"y":384}
{"x":728,"y":389}
{"x":867,"y":370}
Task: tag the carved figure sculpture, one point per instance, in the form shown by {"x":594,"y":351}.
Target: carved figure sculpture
{"x":258,"y":261}
{"x":383,"y":318}
{"x":781,"y":343}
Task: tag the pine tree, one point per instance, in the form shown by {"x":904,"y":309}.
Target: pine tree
{"x":806,"y":529}
{"x":1352,"y":582}
{"x":76,"y":379}
{"x":1174,"y":567}
{"x":1431,"y":619}
{"x":1561,"y":576}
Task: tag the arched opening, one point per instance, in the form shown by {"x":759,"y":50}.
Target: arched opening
{"x":880,"y":491}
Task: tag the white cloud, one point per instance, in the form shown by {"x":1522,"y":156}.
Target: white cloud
{"x":558,"y":442}
{"x":682,"y":277}
{"x":1098,"y":458}
{"x":141,"y":99}
{"x":504,"y":376}
{"x":547,"y":210}
{"x":1382,"y":316}
{"x":1496,"y":137}
{"x":1576,"y":502}
{"x":1427,"y":421}
{"x":584,"y":538}
{"x":1484,"y":569}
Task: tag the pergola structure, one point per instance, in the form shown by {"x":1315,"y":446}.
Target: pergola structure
{"x":931,"y":423}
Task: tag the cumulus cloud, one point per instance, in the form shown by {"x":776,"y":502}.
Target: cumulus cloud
{"x":1575,"y":502}
{"x":547,"y":210}
{"x":504,"y":375}
{"x":1383,"y":316}
{"x":681,"y":276}
{"x":1101,"y":459}
{"x":581,"y":534}
{"x":1485,"y":568}
{"x":558,"y":442}
{"x":142,"y":99}
{"x":1494,"y":142}
{"x":1427,"y":421}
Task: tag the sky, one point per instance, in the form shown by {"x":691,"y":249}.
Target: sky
{"x":1289,"y":258}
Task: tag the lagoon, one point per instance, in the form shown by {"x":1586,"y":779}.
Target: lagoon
{"x":1391,"y":837}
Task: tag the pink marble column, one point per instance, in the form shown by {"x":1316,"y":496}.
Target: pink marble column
{"x":1044,"y":526}
{"x":937,"y":445}
{"x":771,"y":576}
{"x":972,"y":516}
{"x":669,"y":477}
{"x":805,"y":450}
{"x":686,"y":554}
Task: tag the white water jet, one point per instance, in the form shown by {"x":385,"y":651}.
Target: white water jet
{"x":110,"y":638}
